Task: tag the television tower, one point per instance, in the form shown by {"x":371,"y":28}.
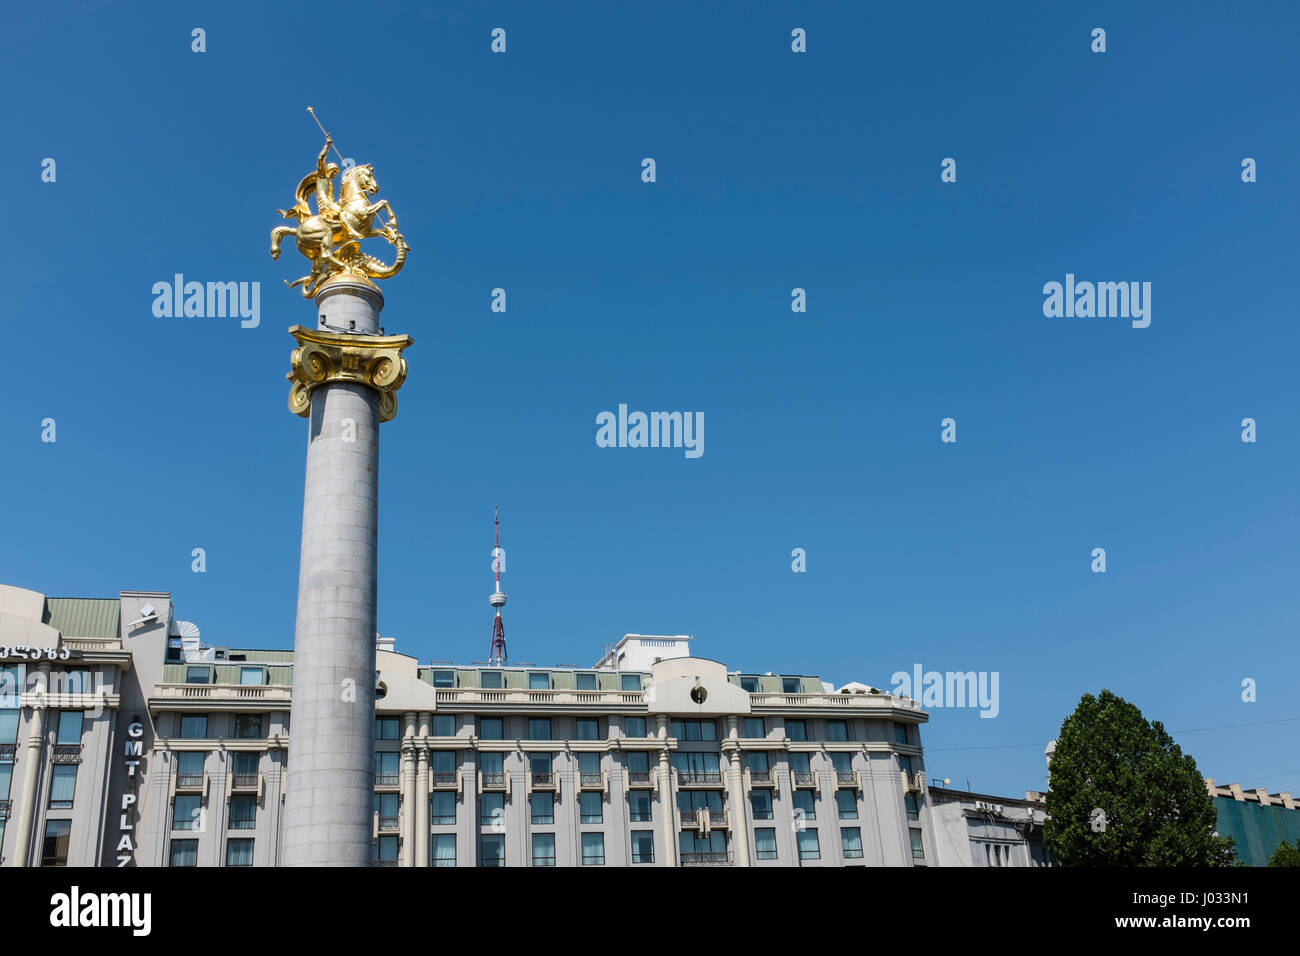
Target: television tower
{"x":497,"y":656}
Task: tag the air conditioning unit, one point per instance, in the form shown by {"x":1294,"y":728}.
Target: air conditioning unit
{"x":985,"y":805}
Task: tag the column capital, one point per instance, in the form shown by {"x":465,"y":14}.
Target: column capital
{"x":323,"y":357}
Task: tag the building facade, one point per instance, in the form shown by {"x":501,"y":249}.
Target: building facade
{"x":1257,"y":820}
{"x":127,"y":741}
{"x":976,"y":829}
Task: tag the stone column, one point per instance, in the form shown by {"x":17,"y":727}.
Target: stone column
{"x":739,"y":805}
{"x":344,"y":382}
{"x":406,"y":812}
{"x":35,"y":744}
{"x":667,"y":799}
{"x":422,"y":821}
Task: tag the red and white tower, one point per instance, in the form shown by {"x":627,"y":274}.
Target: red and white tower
{"x":497,"y":657}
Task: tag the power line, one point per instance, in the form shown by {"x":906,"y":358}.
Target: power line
{"x":1195,"y":730}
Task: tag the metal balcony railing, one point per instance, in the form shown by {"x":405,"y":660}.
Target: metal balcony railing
{"x":760,"y":776}
{"x":245,"y":781}
{"x":590,"y":779}
{"x":387,"y":823}
{"x":845,"y":777}
{"x":4,"y":809}
{"x":802,"y":778}
{"x":494,"y":781}
{"x":715,"y":858}
{"x":386,"y":779}
{"x":706,"y":777}
{"x":189,"y":781}
{"x":717,"y":818}
{"x":7,"y":752}
{"x":67,"y":753}
{"x":543,"y":779}
{"x":384,"y":863}
{"x":444,"y":779}
{"x":638,"y":776}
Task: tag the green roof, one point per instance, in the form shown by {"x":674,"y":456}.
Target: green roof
{"x":83,"y":617}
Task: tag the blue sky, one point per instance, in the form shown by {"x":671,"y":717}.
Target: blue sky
{"x":775,"y":170}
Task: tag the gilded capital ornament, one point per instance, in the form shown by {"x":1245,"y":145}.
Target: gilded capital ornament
{"x":322,"y":357}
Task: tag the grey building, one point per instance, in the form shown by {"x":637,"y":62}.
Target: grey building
{"x":976,"y":829}
{"x":126,"y":740}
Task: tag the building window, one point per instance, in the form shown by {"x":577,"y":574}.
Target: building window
{"x":591,"y":804}
{"x":918,"y":847}
{"x":490,"y":728}
{"x":809,"y":847}
{"x":765,"y":843}
{"x":755,"y":728}
{"x":757,"y":762}
{"x":239,"y":852}
{"x":385,"y":849}
{"x":492,"y":767}
{"x":543,"y":849}
{"x":386,"y":807}
{"x":761,"y":802}
{"x":796,"y":730}
{"x":643,"y":846}
{"x":696,"y":767}
{"x":630,"y":681}
{"x":492,"y":849}
{"x":913,"y":811}
{"x":593,"y":849}
{"x":846,"y":802}
{"x":245,"y":769}
{"x":388,"y":728}
{"x":539,"y":680}
{"x":175,"y":650}
{"x":243,"y":812}
{"x":491,"y":808}
{"x":634,"y":726}
{"x":693,"y":729}
{"x":900,"y":733}
{"x":588,"y":728}
{"x":185,"y":812}
{"x":444,"y":679}
{"x":540,"y":766}
{"x":251,"y":676}
{"x":444,"y":725}
{"x":851,"y":842}
{"x":691,"y":802}
{"x":248,"y":726}
{"x":638,"y":761}
{"x":185,"y":853}
{"x":189,"y":768}
{"x":638,"y":806}
{"x":837,"y":731}
{"x":542,"y":807}
{"x":843,"y":766}
{"x":63,"y":785}
{"x":539,"y":728}
{"x":489,"y":680}
{"x":194,"y":727}
{"x":702,"y":849}
{"x":790,"y":685}
{"x":585,"y":681}
{"x":444,"y":850}
{"x":443,"y":764}
{"x":443,"y":806}
{"x":387,"y":768}
{"x":749,"y":684}
{"x":803,"y":800}
{"x":198,"y":675}
{"x":589,"y":769}
{"x":799,"y":765}
{"x":70,"y":722}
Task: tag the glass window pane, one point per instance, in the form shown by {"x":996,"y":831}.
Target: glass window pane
{"x":643,"y":846}
{"x":588,"y":728}
{"x":851,"y":842}
{"x":491,"y":808}
{"x":185,"y":853}
{"x":194,"y":727}
{"x":250,"y":675}
{"x":761,"y":801}
{"x":444,"y":849}
{"x":185,"y":812}
{"x":63,"y":785}
{"x":809,"y":847}
{"x":542,"y":806}
{"x":490,"y":728}
{"x":445,"y":679}
{"x":639,"y":806}
{"x":489,"y":680}
{"x":765,"y":843}
{"x":754,"y":728}
{"x":539,"y":681}
{"x":593,"y":849}
{"x":444,"y":761}
{"x":197,"y":675}
{"x":443,"y":809}
{"x":239,"y":853}
{"x":918,"y":845}
{"x":539,"y":728}
{"x":837,"y":730}
{"x":803,"y":800}
{"x":543,"y":849}
{"x":634,"y":726}
{"x":796,"y":730}
{"x":591,"y":804}
{"x":586,"y":681}
{"x":444,"y":725}
{"x":846,"y":802}
{"x":492,"y":849}
{"x":630,"y":682}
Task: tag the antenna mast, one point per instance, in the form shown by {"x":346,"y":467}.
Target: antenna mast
{"x":497,"y":656}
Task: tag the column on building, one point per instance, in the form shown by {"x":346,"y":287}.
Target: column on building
{"x":31,"y":773}
{"x":406,"y":812}
{"x":422,"y":821}
{"x":736,"y":796}
{"x":667,"y":799}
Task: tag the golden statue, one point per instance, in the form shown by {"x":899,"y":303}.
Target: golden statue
{"x":331,"y":238}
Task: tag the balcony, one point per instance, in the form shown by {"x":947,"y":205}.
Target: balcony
{"x":838,"y":702}
{"x":699,"y":778}
{"x":846,"y":779}
{"x":7,"y":752}
{"x":386,"y":781}
{"x":384,"y":863}
{"x":470,"y":696}
{"x":591,"y":781}
{"x":760,"y":778}
{"x":716,"y":858}
{"x":262,"y":693}
{"x":543,"y":781}
{"x":244,"y":781}
{"x":640,"y":778}
{"x":189,"y":781}
{"x":67,"y":753}
{"x":718,"y":818}
{"x":387,"y":824}
{"x":492,"y":781}
{"x":5,"y":805}
{"x":804,"y":778}
{"x":912,"y":782}
{"x":445,"y":780}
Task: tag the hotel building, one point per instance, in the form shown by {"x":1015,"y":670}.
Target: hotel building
{"x":127,"y":741}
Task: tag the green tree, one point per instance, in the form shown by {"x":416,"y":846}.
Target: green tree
{"x":1122,"y":793}
{"x":1286,"y":854}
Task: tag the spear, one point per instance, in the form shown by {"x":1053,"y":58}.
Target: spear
{"x":336,"y":149}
